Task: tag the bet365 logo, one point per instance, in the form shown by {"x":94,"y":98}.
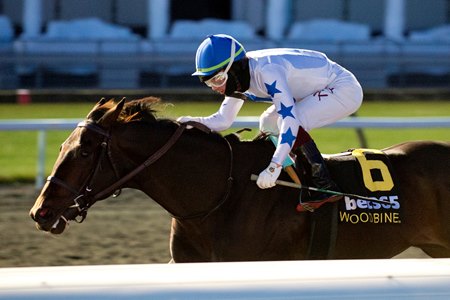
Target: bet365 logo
{"x":353,"y":204}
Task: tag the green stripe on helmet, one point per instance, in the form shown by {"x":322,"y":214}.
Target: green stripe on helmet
{"x":220,"y":65}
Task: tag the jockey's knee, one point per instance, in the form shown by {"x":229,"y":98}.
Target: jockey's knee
{"x":354,"y":98}
{"x":303,"y":137}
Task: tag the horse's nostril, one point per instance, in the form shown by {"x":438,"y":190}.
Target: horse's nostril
{"x":43,"y":212}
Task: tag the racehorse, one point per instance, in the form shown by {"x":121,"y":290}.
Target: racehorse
{"x":203,"y":180}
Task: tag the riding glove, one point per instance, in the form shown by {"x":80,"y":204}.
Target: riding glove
{"x":187,"y":119}
{"x":267,"y":178}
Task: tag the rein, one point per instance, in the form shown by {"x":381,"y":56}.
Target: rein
{"x":153,"y":158}
{"x":83,"y":206}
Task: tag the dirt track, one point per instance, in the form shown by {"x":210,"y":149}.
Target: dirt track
{"x":126,"y":230}
{"x":130,"y":229}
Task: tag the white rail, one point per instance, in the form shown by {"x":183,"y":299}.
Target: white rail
{"x":335,"y":279}
{"x":351,"y":122}
{"x":44,"y":125}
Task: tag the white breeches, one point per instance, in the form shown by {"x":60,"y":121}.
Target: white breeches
{"x":342,"y":97}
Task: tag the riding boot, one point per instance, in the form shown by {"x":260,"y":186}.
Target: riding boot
{"x":321,"y":178}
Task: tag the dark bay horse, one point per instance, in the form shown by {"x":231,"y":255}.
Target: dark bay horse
{"x":203,"y":180}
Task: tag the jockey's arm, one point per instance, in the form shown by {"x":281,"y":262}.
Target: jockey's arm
{"x":223,"y":118}
{"x":288,"y":129}
{"x":284,"y":102}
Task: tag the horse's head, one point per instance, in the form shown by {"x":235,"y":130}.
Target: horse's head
{"x":82,"y":168}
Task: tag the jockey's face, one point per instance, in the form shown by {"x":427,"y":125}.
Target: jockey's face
{"x":219,"y":89}
{"x":216,"y":82}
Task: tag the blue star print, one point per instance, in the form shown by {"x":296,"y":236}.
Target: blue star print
{"x":272,"y":88}
{"x":286,"y":111}
{"x":287,"y":138}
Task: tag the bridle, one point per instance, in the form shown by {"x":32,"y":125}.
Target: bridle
{"x":83,"y":199}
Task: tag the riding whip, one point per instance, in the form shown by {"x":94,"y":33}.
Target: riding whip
{"x":304,"y":187}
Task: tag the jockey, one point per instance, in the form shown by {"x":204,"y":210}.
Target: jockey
{"x":307,"y":90}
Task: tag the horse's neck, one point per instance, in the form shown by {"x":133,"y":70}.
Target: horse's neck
{"x":191,"y":177}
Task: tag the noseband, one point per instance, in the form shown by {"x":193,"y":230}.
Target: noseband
{"x":84,"y":200}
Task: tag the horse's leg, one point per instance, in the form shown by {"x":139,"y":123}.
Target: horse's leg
{"x":187,"y":243}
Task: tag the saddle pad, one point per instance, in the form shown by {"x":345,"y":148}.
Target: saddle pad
{"x":371,"y":175}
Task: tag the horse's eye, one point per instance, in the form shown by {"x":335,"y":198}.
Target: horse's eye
{"x":84,"y":154}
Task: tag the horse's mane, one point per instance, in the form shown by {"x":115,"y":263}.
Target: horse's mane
{"x":143,"y":110}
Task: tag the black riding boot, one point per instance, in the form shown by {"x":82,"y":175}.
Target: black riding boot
{"x":320,"y":178}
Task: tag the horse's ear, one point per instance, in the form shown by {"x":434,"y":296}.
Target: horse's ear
{"x":101,"y":102}
{"x":112,"y":114}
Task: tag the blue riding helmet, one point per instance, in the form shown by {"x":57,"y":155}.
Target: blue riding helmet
{"x":214,"y":53}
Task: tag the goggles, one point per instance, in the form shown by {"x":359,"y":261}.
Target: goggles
{"x":221,"y":78}
{"x":217,"y":80}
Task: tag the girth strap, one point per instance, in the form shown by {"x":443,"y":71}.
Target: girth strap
{"x":323,"y":232}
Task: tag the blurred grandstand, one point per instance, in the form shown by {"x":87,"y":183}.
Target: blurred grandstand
{"x":151,"y":43}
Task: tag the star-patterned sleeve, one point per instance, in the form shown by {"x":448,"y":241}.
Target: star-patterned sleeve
{"x":225,"y":116}
{"x":278,"y":89}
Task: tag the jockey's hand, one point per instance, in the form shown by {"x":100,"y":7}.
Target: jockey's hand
{"x":185,"y":119}
{"x":267,"y":178}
